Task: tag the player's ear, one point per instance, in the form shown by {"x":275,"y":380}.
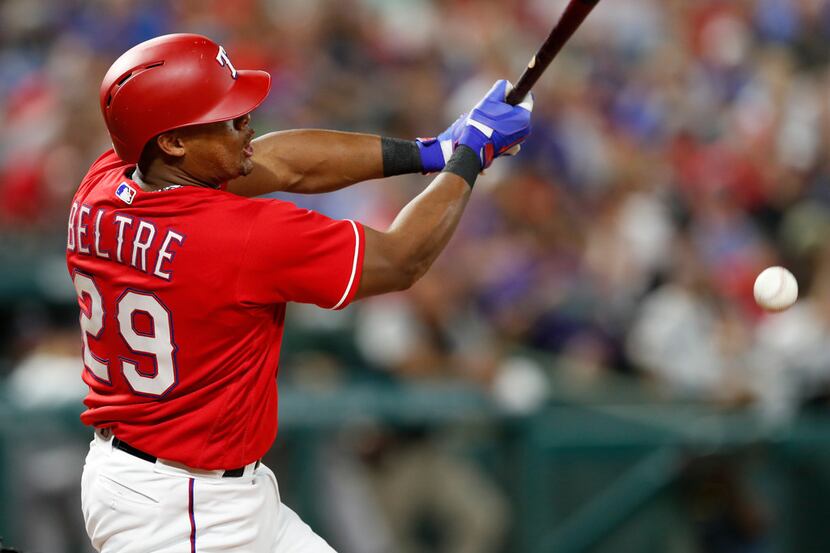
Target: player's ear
{"x":171,"y":144}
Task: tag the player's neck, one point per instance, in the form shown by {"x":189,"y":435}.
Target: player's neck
{"x":158,"y":178}
{"x":138,"y":178}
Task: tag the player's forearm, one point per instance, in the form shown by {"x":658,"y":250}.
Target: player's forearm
{"x":396,"y":259}
{"x":426,"y":224}
{"x":318,"y":161}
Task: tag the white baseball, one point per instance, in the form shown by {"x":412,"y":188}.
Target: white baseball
{"x":775,"y":289}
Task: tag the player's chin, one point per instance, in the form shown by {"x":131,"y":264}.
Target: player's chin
{"x":246,"y":167}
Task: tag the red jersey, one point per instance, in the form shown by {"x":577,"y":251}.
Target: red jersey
{"x":182,"y":295}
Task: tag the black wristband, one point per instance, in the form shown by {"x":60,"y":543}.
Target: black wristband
{"x":464,"y":163}
{"x":400,"y":157}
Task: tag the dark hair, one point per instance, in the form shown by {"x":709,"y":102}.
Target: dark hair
{"x":148,"y":154}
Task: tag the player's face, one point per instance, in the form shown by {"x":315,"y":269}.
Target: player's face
{"x":219,"y":152}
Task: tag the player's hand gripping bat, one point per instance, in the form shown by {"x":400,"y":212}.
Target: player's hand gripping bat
{"x":574,"y":15}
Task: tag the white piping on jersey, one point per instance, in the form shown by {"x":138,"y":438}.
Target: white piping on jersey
{"x":354,"y":264}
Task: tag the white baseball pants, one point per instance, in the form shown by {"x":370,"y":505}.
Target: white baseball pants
{"x":131,"y":505}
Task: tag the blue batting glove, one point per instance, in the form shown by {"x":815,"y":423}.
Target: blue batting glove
{"x":436,"y":152}
{"x":494,"y":127}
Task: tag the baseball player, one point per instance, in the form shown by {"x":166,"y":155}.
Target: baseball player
{"x":182,"y":283}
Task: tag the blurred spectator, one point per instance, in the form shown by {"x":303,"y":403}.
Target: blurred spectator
{"x":414,"y":494}
{"x":47,"y":471}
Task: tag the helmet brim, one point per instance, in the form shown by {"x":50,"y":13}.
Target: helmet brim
{"x":248,"y":92}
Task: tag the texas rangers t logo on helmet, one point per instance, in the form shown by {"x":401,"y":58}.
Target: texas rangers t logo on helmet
{"x":222,"y":58}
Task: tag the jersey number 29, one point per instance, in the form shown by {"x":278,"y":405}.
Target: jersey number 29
{"x":157,"y":343}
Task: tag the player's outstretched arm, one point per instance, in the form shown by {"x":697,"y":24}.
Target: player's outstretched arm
{"x":318,"y":161}
{"x":310,"y":161}
{"x":396,"y":259}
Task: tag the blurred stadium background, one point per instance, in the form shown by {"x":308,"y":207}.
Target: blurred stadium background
{"x":583,"y":370}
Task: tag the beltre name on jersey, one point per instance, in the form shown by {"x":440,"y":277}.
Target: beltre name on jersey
{"x":107,"y":234}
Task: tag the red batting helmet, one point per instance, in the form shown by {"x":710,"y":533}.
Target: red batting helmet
{"x":174,"y":81}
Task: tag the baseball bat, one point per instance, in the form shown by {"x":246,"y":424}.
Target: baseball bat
{"x":574,"y":15}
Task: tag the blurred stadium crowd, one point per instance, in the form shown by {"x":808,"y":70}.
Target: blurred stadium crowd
{"x":679,"y":147}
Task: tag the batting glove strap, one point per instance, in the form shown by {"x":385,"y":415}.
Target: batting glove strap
{"x":436,"y":152}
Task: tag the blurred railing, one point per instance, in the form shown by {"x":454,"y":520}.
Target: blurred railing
{"x":580,"y":477}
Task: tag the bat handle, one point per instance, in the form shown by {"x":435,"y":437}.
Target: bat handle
{"x":574,"y":15}
{"x":523,"y":86}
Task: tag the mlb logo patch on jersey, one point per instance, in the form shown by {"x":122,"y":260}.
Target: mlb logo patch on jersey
{"x":125,"y":193}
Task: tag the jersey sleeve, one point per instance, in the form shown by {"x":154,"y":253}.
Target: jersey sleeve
{"x":298,"y":255}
